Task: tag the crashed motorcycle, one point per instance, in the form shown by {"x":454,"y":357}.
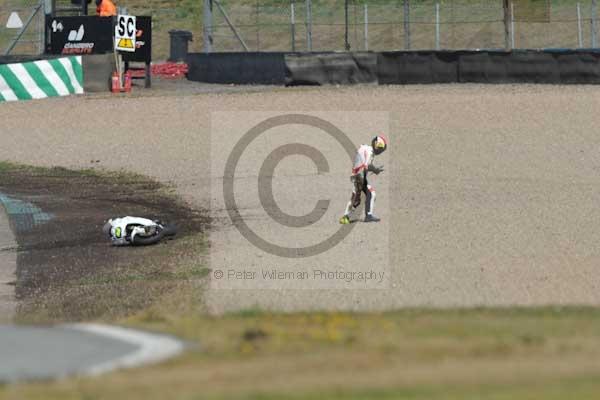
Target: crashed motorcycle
{"x":136,"y":231}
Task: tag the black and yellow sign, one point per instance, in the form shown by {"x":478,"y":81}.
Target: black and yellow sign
{"x":125,"y":33}
{"x":125,"y":44}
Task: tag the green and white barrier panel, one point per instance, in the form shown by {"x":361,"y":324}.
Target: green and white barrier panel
{"x":41,"y":79}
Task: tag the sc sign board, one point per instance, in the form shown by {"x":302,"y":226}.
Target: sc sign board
{"x":125,"y":33}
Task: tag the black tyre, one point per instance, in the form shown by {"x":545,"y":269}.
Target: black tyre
{"x":168,"y":230}
{"x":145,"y":241}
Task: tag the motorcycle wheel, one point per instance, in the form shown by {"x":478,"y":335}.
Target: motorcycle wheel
{"x":168,"y":230}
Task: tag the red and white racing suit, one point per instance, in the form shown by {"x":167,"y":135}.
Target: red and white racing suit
{"x":363,"y":161}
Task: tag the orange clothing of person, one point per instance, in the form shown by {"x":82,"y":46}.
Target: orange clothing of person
{"x":106,"y":9}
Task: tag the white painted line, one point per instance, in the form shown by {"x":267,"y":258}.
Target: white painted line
{"x":152,"y":348}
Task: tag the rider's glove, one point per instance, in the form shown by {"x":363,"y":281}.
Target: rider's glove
{"x":376,"y":170}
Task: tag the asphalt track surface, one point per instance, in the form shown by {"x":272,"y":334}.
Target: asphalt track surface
{"x":33,"y":353}
{"x":8,"y":266}
{"x":490,"y":194}
{"x":41,"y":353}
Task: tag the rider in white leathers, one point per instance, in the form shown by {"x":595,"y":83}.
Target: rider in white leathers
{"x":363,"y":164}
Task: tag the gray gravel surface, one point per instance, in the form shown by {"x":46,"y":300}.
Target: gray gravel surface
{"x":490,"y":195}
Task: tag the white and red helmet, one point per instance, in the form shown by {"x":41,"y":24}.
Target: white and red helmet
{"x":379,"y":144}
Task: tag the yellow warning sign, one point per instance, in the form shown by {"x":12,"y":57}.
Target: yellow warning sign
{"x":125,"y":44}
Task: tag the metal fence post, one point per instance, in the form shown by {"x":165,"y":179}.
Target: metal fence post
{"x":346,"y":42}
{"x":231,"y":26}
{"x":309,"y":25}
{"x":355,"y":40}
{"x":207,"y":31}
{"x":594,"y":10}
{"x":48,"y":10}
{"x":293,"y":25}
{"x":42,"y":28}
{"x":512,"y":26}
{"x":579,"y":32}
{"x":257,"y":26}
{"x":366,"y":8}
{"x":437,"y":26}
{"x":406,"y":25}
{"x":506,"y":10}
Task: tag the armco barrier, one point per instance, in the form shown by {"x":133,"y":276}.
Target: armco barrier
{"x":283,"y":68}
{"x":503,"y":67}
{"x":565,"y":66}
{"x":237,"y":68}
{"x":399,"y":67}
{"x":417,"y":67}
{"x":41,"y":79}
{"x":578,"y":67}
{"x":330,"y":68}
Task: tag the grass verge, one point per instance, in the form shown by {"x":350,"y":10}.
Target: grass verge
{"x":547,"y":353}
